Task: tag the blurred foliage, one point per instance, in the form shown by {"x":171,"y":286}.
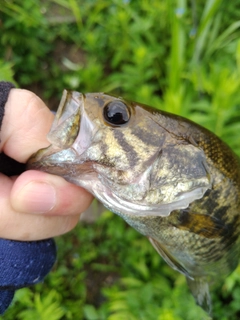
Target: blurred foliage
{"x":177,"y":55}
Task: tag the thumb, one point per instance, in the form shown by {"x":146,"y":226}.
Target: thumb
{"x":19,"y":202}
{"x":42,"y":193}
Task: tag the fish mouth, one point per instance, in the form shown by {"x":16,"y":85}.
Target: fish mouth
{"x":70,"y":136}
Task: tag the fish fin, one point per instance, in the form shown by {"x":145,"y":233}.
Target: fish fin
{"x":199,"y":288}
{"x":167,"y":256}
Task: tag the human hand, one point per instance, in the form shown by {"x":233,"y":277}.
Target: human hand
{"x":34,"y":205}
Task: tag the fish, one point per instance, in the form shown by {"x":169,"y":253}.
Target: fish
{"x":172,"y":180}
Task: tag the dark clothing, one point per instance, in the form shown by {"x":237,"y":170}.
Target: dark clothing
{"x":21,"y":263}
{"x":5,"y":87}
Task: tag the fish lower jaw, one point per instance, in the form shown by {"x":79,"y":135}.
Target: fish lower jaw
{"x":121,"y":206}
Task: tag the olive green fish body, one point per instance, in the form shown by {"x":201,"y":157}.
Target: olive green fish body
{"x":172,"y":180}
{"x":201,"y":241}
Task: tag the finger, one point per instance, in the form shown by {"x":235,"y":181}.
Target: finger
{"x":17,"y":224}
{"x":39,"y":192}
{"x":25,"y":125}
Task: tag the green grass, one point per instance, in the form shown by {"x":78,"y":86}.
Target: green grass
{"x":180,"y":56}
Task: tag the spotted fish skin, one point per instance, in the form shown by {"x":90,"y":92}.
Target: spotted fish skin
{"x":172,"y":180}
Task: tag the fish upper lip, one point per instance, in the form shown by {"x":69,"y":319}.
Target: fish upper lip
{"x":75,"y":96}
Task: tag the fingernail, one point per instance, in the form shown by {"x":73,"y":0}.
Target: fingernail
{"x":35,"y":197}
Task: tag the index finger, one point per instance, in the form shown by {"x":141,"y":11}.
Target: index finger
{"x":25,"y":125}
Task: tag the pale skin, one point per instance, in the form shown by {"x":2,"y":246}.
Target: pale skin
{"x":34,"y":205}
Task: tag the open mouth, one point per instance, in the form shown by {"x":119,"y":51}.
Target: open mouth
{"x":70,"y":136}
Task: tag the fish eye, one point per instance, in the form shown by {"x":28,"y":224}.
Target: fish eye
{"x":116,"y":113}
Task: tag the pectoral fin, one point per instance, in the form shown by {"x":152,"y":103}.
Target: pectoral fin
{"x":173,"y":263}
{"x":199,"y":287}
{"x":200,"y":290}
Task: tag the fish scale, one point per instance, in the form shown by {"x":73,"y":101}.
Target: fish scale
{"x":170,"y":179}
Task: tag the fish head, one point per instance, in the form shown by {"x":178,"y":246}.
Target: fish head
{"x":119,"y":152}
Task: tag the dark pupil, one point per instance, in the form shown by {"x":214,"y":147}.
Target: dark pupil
{"x":116,"y":113}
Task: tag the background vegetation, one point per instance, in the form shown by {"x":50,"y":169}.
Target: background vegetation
{"x":177,"y":55}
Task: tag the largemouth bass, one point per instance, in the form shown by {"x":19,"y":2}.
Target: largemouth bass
{"x":170,"y":179}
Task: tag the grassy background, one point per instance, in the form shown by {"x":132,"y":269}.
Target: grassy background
{"x":177,"y":55}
